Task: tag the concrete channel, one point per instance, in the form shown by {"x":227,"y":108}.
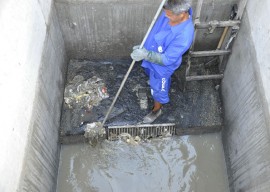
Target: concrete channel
{"x":41,"y":40}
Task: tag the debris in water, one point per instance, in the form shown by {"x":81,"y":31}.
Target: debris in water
{"x":129,"y":139}
{"x":94,"y":132}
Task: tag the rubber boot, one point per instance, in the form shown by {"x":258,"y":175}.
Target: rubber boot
{"x":154,"y":114}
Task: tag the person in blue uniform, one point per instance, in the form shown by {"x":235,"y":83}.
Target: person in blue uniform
{"x":169,"y":39}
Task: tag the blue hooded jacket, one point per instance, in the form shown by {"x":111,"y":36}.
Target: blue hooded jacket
{"x":171,"y":41}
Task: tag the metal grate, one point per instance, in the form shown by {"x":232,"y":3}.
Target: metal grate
{"x":144,"y":131}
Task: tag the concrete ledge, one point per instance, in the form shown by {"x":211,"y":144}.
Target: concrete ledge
{"x":198,"y":130}
{"x":73,"y":139}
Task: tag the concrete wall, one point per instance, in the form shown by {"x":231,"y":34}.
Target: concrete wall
{"x":32,"y":70}
{"x":212,"y":10}
{"x":246,"y":95}
{"x":107,"y":29}
{"x":104,"y":28}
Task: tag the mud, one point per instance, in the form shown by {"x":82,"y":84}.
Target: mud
{"x":198,"y":105}
{"x":186,"y":164}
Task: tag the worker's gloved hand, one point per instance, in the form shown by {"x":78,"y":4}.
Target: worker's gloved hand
{"x":140,"y":54}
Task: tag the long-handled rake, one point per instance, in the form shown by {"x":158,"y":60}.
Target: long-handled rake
{"x":97,"y":130}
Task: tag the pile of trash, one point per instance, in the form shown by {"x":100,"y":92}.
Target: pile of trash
{"x":80,"y":93}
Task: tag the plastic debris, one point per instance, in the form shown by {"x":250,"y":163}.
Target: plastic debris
{"x":85,"y":94}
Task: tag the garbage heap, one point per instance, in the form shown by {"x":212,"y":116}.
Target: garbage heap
{"x":84,"y":94}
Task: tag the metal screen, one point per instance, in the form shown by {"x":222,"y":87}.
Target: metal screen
{"x":144,"y":131}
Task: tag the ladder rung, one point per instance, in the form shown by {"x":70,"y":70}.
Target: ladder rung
{"x":209,"y":53}
{"x":204,"y":77}
{"x":230,"y":23}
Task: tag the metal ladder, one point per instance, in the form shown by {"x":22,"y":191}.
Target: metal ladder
{"x":232,"y":25}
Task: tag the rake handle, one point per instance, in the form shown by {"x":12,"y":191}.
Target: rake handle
{"x":133,"y":62}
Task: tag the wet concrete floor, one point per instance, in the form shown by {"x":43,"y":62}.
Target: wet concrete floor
{"x":198,"y":105}
{"x":186,"y":164}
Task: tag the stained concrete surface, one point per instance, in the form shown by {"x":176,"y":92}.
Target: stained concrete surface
{"x":107,"y":29}
{"x":32,"y":73}
{"x":184,"y":164}
{"x":42,"y":155}
{"x":198,"y":105}
{"x":246,"y":134}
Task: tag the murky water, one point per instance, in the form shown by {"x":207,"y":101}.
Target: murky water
{"x":189,"y":163}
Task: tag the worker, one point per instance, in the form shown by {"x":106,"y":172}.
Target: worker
{"x":169,"y":39}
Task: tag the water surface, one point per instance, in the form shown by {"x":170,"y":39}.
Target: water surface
{"x":186,"y":164}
